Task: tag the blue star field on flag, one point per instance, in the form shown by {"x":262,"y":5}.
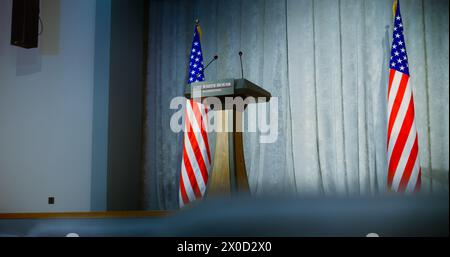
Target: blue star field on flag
{"x":196,"y":59}
{"x":399,"y":58}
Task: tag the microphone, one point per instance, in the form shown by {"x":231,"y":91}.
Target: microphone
{"x":242,"y":68}
{"x":212,"y":60}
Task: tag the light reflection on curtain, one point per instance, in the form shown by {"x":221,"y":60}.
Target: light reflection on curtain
{"x":326,"y":60}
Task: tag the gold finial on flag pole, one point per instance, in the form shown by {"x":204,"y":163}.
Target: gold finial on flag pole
{"x":394,"y":7}
{"x":199,"y":30}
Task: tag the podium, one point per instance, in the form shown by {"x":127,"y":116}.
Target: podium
{"x":228,"y":175}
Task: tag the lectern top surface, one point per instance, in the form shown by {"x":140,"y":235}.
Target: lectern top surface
{"x":227,"y":87}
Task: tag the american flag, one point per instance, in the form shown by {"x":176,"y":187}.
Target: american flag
{"x":196,"y":160}
{"x":404,"y":172}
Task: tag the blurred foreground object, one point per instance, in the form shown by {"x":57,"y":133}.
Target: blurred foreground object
{"x":385,"y":216}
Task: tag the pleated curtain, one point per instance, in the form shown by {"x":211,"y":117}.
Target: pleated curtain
{"x":327,"y":63}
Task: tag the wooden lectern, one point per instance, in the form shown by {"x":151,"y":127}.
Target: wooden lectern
{"x":228,"y":175}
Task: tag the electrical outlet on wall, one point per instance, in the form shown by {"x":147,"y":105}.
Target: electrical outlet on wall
{"x":51,"y":200}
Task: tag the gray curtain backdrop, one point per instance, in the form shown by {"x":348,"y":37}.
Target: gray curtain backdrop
{"x":327,"y":62}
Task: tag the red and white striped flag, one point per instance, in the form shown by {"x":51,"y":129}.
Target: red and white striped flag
{"x":404,"y":172}
{"x":196,"y":160}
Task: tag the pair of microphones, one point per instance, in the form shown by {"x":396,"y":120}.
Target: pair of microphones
{"x":217,"y":57}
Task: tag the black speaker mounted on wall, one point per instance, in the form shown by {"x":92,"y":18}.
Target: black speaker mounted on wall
{"x":25,"y":23}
